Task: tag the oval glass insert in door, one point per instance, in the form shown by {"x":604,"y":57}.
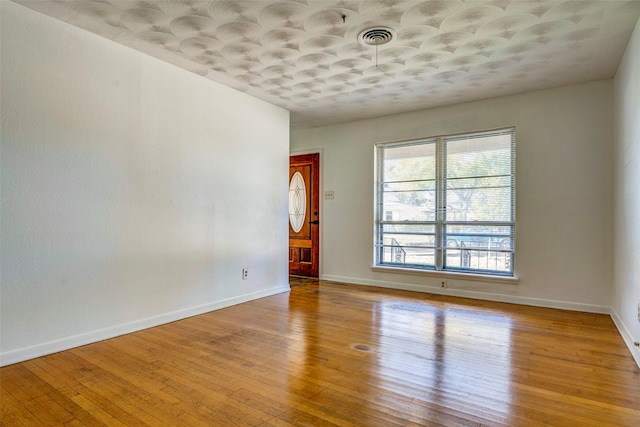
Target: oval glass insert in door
{"x":297,"y":202}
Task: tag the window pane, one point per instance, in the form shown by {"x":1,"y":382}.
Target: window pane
{"x":479,"y":248}
{"x":479,"y":199}
{"x":474,"y":156}
{"x":421,"y":229}
{"x":409,"y":186}
{"x":409,"y":240}
{"x":409,"y":162}
{"x":479,"y":179}
{"x":470,"y":260}
{"x":408,"y":256}
{"x":410,"y":205}
{"x":479,"y":237}
{"x":408,"y":244}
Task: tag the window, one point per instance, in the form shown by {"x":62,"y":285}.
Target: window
{"x":452,"y":203}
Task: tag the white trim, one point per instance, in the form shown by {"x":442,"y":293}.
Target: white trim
{"x":510,"y":280}
{"x":309,"y":151}
{"x":485,"y":296}
{"x":26,"y":353}
{"x":626,"y":336}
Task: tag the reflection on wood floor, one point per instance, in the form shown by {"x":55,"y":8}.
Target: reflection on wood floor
{"x":330,"y":354}
{"x":301,"y":281}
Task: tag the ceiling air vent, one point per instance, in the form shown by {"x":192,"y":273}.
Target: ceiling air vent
{"x":376,"y":36}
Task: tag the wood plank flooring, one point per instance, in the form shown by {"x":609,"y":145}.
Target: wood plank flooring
{"x":330,"y":354}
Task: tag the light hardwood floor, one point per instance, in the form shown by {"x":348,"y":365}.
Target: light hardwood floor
{"x":337,"y":354}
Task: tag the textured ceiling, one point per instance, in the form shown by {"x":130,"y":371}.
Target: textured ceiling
{"x":305,"y":55}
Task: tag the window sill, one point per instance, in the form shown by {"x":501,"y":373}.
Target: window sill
{"x":448,"y":274}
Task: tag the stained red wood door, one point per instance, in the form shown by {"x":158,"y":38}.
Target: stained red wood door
{"x":304,"y":222}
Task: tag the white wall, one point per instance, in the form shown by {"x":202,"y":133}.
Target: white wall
{"x":133,"y":192}
{"x":563,"y":191}
{"x":626,"y":278}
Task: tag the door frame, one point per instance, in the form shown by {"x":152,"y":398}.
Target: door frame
{"x":320,"y":201}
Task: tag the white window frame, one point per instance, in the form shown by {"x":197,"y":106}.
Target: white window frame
{"x":439,"y":267}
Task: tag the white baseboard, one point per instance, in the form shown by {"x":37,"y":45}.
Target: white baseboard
{"x":536,"y":302}
{"x":22,"y":354}
{"x":626,"y":336}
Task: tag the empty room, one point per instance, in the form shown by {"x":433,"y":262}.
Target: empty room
{"x":320,"y":213}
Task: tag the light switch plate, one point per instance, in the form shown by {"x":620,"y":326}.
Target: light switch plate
{"x":328,"y":195}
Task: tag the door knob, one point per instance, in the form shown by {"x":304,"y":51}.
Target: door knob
{"x":314,"y":222}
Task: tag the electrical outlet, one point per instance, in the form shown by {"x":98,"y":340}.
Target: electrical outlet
{"x":639,"y":312}
{"x":443,"y":283}
{"x":245,"y":274}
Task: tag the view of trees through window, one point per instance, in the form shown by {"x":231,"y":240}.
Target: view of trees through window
{"x":447,"y":203}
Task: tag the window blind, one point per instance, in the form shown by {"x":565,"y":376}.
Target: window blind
{"x":448,"y":203}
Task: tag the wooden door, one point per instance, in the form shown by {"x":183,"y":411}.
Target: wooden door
{"x":304,"y":222}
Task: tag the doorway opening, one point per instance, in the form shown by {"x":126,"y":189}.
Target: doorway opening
{"x":304,"y":215}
